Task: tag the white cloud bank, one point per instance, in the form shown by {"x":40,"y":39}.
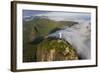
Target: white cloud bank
{"x":67,"y":16}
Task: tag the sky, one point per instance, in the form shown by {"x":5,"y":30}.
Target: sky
{"x":27,"y":13}
{"x":58,"y":15}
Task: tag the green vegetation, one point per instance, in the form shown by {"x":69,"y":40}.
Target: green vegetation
{"x":55,"y":50}
{"x":34,"y":32}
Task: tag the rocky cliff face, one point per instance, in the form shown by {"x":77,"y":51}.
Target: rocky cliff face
{"x":55,"y":50}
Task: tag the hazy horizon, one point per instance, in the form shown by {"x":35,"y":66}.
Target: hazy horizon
{"x":58,"y":15}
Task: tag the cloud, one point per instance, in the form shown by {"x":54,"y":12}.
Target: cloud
{"x":58,"y":16}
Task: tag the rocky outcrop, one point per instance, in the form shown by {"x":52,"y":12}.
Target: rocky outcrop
{"x":55,"y":50}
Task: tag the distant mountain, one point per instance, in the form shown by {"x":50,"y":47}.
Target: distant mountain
{"x":34,"y":31}
{"x":42,"y":25}
{"x":67,"y":16}
{"x":29,"y":18}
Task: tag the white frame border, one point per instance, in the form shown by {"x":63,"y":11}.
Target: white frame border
{"x":35,"y":65}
